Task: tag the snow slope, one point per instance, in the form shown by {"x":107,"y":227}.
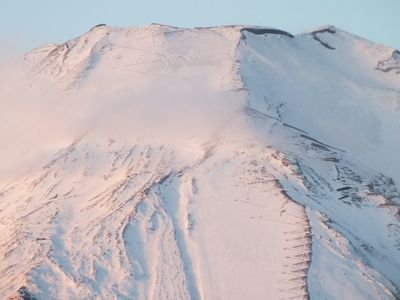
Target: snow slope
{"x":233,"y":162}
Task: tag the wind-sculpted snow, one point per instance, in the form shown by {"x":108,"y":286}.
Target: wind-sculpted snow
{"x":126,"y":223}
{"x":235,"y":162}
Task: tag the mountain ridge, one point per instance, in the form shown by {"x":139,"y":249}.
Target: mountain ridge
{"x":205,"y":163}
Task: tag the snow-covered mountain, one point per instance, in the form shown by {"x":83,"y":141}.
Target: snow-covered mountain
{"x":233,"y":162}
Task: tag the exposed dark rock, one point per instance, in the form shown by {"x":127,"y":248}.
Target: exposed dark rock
{"x":23,"y":294}
{"x":98,"y":25}
{"x":390,"y":64}
{"x":330,"y":30}
{"x":255,"y":30}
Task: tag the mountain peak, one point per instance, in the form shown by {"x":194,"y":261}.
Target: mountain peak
{"x":232,"y":162}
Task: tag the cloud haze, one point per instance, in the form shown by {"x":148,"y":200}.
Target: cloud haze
{"x":38,"y":119}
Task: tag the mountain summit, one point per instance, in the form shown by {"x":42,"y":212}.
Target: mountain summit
{"x":233,"y":162}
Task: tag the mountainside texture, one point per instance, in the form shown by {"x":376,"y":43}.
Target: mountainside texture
{"x":233,"y":162}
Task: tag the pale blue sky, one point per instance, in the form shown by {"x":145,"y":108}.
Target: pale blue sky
{"x":25,"y":24}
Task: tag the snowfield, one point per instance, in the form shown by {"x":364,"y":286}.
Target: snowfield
{"x":233,"y":162}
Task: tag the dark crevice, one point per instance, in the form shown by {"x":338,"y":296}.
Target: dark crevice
{"x":319,"y":143}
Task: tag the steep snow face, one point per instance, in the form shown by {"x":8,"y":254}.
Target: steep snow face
{"x":339,"y":95}
{"x":235,"y":162}
{"x":322,"y":101}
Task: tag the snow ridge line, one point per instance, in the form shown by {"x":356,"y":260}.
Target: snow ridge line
{"x":299,"y":252}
